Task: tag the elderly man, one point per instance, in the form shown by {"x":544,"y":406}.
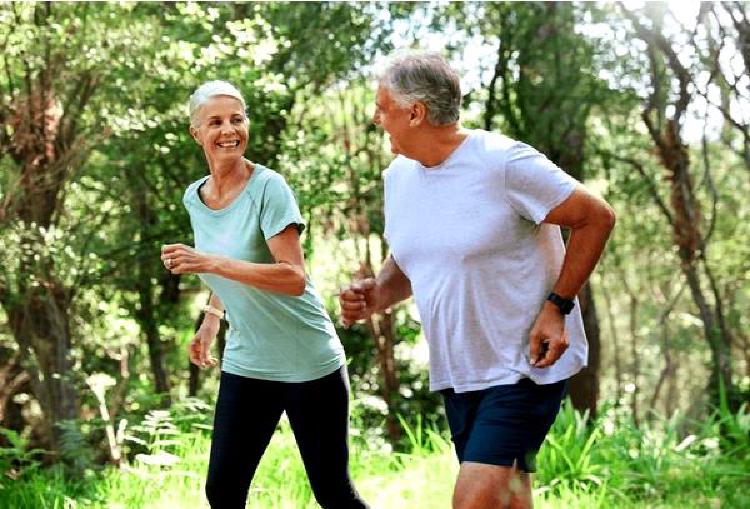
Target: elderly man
{"x":473,"y":221}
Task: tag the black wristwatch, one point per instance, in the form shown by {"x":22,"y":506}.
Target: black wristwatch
{"x":565,"y":305}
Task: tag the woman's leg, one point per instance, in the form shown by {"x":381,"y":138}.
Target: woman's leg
{"x":247,"y":411}
{"x":318,"y":412}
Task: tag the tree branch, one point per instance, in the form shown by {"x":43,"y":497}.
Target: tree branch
{"x":649,"y":183}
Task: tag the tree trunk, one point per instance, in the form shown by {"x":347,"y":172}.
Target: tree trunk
{"x":668,"y":369}
{"x":692,"y":253}
{"x":145,"y":312}
{"x":12,"y":379}
{"x":381,"y":330}
{"x":721,"y":363}
{"x":615,"y":341}
{"x":150,"y":329}
{"x":41,"y":325}
{"x":684,"y":212}
{"x":46,"y":147}
{"x":584,"y":386}
{"x":632,"y":323}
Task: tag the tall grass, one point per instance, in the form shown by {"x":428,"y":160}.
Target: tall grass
{"x":607,"y":463}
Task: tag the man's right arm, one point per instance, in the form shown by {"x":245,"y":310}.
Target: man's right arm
{"x":391,"y":286}
{"x":363,"y":298}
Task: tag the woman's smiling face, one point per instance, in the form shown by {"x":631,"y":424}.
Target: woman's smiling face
{"x":222,"y":128}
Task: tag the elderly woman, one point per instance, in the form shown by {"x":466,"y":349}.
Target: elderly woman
{"x":282,"y":352}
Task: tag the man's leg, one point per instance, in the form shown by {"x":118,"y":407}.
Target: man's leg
{"x":481,"y":486}
{"x":497,"y":433}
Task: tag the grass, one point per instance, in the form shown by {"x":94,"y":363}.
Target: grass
{"x":605,"y":464}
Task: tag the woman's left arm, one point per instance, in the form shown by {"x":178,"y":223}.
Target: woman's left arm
{"x":286,"y":276}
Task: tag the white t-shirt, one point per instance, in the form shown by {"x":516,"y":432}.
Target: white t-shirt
{"x":468,"y":235}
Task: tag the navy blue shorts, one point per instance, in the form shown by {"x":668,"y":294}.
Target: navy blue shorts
{"x":505,"y":424}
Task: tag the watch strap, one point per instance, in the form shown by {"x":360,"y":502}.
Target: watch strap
{"x":564,"y":305}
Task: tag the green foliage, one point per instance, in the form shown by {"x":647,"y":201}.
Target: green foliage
{"x":574,"y":85}
{"x":157,"y":439}
{"x":604,"y":464}
{"x":17,"y":456}
{"x":75,"y":451}
{"x":655,"y":462}
{"x":566,"y":457}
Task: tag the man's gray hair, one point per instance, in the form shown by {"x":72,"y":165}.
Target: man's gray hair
{"x":425,"y":77}
{"x":208,"y":90}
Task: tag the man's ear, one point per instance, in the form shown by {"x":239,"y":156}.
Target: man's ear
{"x":417,"y":114}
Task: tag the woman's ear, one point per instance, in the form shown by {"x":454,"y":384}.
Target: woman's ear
{"x":194,"y":134}
{"x":417,"y":114}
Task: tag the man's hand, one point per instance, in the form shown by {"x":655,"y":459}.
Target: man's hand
{"x":200,"y":346}
{"x":358,"y":301}
{"x":182,"y":259}
{"x":547,"y":339}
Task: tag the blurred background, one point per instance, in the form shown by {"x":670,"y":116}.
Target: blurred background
{"x":648,"y":104}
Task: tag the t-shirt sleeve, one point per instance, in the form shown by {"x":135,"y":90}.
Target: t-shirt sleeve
{"x":279,"y":208}
{"x":534,"y":185}
{"x":186,"y":196}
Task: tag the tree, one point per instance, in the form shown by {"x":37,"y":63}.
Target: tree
{"x":664,"y":116}
{"x":55,"y":64}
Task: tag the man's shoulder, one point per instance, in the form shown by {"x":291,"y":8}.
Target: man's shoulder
{"x":491,"y":148}
{"x":493,"y":143}
{"x":399,"y":165}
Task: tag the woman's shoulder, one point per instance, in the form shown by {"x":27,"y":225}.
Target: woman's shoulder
{"x":191,"y":192}
{"x":267,"y":175}
{"x":265,"y":179}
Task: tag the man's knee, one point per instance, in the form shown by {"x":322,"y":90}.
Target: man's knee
{"x":480,"y":496}
{"x":482,"y":486}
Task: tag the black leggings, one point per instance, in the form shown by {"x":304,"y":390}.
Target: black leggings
{"x":247,"y":412}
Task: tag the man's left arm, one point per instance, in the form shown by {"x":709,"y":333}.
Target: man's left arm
{"x":590,"y":220}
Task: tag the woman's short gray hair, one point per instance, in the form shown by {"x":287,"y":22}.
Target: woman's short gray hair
{"x":425,"y":77}
{"x":208,"y":90}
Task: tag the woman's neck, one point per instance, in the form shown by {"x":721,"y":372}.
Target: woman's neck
{"x":227,"y":175}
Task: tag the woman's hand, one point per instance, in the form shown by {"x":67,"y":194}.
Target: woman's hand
{"x":200,"y":346}
{"x":182,"y":259}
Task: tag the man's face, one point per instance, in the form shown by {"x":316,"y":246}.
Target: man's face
{"x":392,"y":118}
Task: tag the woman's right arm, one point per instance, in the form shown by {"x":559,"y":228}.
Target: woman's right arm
{"x":215,"y":302}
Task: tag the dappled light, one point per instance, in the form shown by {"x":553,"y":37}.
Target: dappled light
{"x":647,"y":104}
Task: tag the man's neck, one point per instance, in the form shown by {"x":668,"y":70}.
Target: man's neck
{"x":436,"y":144}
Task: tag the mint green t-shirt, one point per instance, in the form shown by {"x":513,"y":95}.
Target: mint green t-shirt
{"x":271,"y":336}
